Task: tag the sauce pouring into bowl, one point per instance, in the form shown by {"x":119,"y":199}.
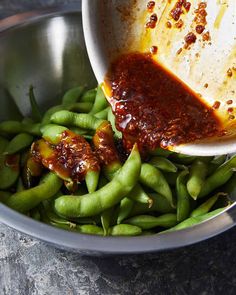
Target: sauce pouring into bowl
{"x":169,"y":71}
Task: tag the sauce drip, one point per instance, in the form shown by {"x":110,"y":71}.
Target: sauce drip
{"x":153,"y":108}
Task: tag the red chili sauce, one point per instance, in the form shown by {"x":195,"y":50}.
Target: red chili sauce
{"x":104,"y":144}
{"x":71,"y":158}
{"x":154,"y":108}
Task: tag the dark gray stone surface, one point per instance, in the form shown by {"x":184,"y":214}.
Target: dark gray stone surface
{"x":28,"y":266}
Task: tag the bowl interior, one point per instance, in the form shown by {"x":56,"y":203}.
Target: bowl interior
{"x":49,"y":53}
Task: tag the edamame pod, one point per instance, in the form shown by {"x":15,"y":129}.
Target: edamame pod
{"x":163,"y":164}
{"x":50,"y":112}
{"x":125,"y":230}
{"x":107,"y":196}
{"x":89,"y":96}
{"x":160,"y":204}
{"x":148,"y":221}
{"x":198,"y":173}
{"x":102,"y":114}
{"x":81,"y":107}
{"x":206,"y":206}
{"x":126,"y":206}
{"x":28,"y":199}
{"x":195,"y":220}
{"x":153,"y":178}
{"x":138,"y":194}
{"x":52,"y":133}
{"x":111,"y":119}
{"x":100,"y":102}
{"x":183,"y":198}
{"x":18,"y":143}
{"x":9,"y":170}
{"x":219,"y":177}
{"x":91,"y":180}
{"x":90,"y":229}
{"x":15,"y":127}
{"x":72,"y":95}
{"x":67,"y":118}
{"x":106,"y":220}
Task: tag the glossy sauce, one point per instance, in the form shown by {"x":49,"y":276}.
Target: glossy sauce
{"x":71,"y":158}
{"x":103,"y":141}
{"x":153,"y":108}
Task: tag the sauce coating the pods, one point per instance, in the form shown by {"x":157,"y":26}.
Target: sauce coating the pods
{"x":154,"y":108}
{"x":71,"y":158}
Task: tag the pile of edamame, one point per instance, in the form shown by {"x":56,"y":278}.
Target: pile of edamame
{"x":166,"y":192}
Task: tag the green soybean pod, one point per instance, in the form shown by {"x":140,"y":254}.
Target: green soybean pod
{"x":163,"y":164}
{"x":153,"y":178}
{"x":51,"y":217}
{"x":9,"y":170}
{"x":28,"y":199}
{"x":215,"y":163}
{"x":138,"y":194}
{"x":111,"y":119}
{"x":183,"y":197}
{"x":50,"y":112}
{"x":91,"y":180}
{"x":100,"y":102}
{"x":20,"y":142}
{"x":160,"y":204}
{"x":66,"y":118}
{"x":102,"y":114}
{"x":81,"y":107}
{"x":107,"y":196}
{"x":219,"y":177}
{"x":197,"y":176}
{"x":125,"y":230}
{"x":79,"y":131}
{"x":15,"y":127}
{"x":89,"y":96}
{"x":72,"y":95}
{"x":90,"y":229}
{"x":196,"y":220}
{"x":148,"y":221}
{"x":106,"y":217}
{"x":207,"y":205}
{"x":35,"y":111}
{"x":171,"y":177}
{"x":126,"y":206}
{"x":52,"y":132}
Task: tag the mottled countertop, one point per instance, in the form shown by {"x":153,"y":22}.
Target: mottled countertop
{"x":28,"y":266}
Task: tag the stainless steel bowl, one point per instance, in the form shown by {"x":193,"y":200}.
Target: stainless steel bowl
{"x":46,"y":49}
